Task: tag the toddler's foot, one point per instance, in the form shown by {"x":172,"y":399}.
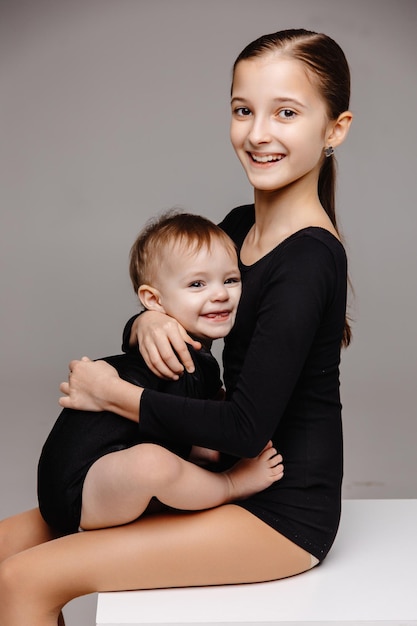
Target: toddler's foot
{"x":249,"y":476}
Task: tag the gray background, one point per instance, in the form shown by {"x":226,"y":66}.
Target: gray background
{"x":112,"y":111}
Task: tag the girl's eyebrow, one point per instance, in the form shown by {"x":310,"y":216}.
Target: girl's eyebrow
{"x":278,"y":100}
{"x":238,"y":99}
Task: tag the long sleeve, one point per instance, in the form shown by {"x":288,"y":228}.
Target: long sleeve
{"x":281,"y":358}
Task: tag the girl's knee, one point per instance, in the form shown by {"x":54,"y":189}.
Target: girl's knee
{"x":8,"y":538}
{"x":23,"y":531}
{"x":24,"y":595}
{"x":23,"y":575}
{"x":12,"y":579}
{"x":3,"y":542}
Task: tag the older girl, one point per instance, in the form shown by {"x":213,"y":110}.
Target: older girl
{"x":290,"y":99}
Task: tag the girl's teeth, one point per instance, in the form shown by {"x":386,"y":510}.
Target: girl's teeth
{"x":266,"y":159}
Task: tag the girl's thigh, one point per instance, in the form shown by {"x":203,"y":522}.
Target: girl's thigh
{"x":219,"y":546}
{"x":23,"y":531}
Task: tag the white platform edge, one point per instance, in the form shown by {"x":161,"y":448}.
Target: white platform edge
{"x":369,"y":578}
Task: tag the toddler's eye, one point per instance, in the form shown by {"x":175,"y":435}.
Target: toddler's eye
{"x":196,"y":283}
{"x":232,"y":280}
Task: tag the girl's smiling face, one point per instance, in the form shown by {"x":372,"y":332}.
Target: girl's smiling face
{"x":279,"y":122}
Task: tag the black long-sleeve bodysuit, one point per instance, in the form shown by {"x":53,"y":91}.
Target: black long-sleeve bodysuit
{"x":79,"y":438}
{"x":281,"y":370}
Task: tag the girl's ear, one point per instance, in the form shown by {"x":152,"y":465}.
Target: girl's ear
{"x":150,"y":298}
{"x":338,"y":130}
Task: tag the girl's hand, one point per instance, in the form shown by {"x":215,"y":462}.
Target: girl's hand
{"x":162,"y":344}
{"x":88,"y":385}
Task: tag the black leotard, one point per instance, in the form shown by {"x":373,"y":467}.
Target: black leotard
{"x":282,"y":380}
{"x":79,"y":438}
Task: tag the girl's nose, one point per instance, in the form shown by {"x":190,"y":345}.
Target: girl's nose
{"x":260,"y":131}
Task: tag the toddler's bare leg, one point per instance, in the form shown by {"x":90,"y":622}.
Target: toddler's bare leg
{"x":120,"y":485}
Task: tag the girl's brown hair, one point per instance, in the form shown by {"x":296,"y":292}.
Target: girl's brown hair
{"x":328,"y":67}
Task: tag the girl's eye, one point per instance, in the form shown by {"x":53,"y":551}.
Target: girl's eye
{"x":197,"y":283}
{"x":242,"y":111}
{"x":287,"y":114}
{"x":231,"y":281}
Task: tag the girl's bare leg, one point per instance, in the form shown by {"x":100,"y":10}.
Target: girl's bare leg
{"x":223,"y":545}
{"x":120,"y":485}
{"x":22,"y":531}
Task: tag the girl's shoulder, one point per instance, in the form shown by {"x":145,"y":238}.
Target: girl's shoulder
{"x":314,"y":238}
{"x":311,"y":252}
{"x":308,"y":247}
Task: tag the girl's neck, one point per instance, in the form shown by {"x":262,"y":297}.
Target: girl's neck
{"x":281,"y":211}
{"x":278,"y":215}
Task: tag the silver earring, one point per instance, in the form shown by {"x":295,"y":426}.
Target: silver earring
{"x":329,"y":151}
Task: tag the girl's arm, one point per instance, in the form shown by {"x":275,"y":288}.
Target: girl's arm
{"x":288,"y":312}
{"x":96,"y":386}
{"x":287,"y":320}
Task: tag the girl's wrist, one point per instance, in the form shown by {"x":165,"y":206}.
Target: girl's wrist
{"x":123,"y":398}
